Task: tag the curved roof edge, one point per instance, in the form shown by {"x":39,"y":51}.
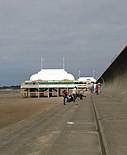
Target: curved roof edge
{"x":52,"y":74}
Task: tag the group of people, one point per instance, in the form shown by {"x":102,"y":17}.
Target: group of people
{"x":72,"y":97}
{"x":94,"y":88}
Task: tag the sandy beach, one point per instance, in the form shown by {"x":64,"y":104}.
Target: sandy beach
{"x":14,"y":108}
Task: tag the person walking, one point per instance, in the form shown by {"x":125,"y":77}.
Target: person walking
{"x":74,"y":93}
{"x":92,"y":87}
{"x":64,"y":96}
{"x":97,"y":89}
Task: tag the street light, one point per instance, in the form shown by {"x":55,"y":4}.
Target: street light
{"x":79,"y":73}
{"x":93,"y":73}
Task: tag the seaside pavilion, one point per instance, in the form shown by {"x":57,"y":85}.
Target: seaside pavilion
{"x":48,"y":82}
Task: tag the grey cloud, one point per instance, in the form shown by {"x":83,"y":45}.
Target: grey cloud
{"x":87,"y":33}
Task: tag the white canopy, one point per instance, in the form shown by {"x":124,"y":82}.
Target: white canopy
{"x":52,"y":74}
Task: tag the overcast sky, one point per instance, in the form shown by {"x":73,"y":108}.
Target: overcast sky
{"x":87,"y":33}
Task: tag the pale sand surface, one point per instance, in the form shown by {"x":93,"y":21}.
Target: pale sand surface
{"x":14,"y":108}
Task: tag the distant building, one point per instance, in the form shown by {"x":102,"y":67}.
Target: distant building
{"x":87,"y":79}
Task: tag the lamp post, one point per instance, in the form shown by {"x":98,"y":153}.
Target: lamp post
{"x":79,"y":73}
{"x":93,"y":73}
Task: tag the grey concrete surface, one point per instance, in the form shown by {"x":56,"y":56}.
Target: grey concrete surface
{"x":112,"y":115}
{"x":63,"y":130}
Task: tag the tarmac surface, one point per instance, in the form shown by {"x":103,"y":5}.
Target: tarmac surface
{"x":62,"y":130}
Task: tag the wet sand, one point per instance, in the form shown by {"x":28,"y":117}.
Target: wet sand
{"x":14,"y":108}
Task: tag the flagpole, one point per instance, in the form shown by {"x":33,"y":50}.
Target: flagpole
{"x":41,"y":63}
{"x":63,"y":63}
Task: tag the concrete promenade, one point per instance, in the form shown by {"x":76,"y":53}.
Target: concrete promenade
{"x":71,"y":129}
{"x":112,"y":116}
{"x":62,"y":130}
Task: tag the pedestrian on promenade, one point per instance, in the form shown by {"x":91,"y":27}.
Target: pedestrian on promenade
{"x":80,"y":94}
{"x":97,"y":88}
{"x":92,"y":87}
{"x":74,"y":93}
{"x":65,"y":96}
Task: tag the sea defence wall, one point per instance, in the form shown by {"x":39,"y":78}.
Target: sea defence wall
{"x":114,"y":79}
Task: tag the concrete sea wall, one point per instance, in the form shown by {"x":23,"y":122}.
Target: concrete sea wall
{"x":114,"y":79}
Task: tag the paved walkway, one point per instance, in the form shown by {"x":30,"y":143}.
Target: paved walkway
{"x":112,"y":115}
{"x":70,"y":130}
{"x":80,"y":136}
{"x":63,"y":130}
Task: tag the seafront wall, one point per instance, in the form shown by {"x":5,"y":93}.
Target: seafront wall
{"x":114,"y":79}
